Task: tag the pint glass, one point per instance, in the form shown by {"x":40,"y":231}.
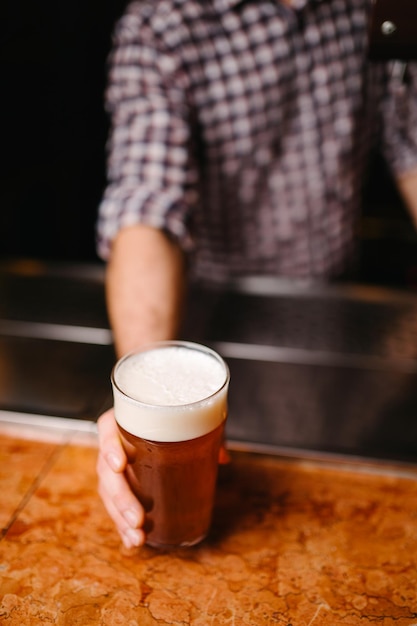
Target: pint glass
{"x":170,"y":402}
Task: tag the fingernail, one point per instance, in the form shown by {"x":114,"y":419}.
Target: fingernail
{"x":131,"y":517}
{"x":126,"y":542}
{"x":114,"y":461}
{"x":132,"y":538}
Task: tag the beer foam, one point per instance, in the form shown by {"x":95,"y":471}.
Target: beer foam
{"x":168,"y":393}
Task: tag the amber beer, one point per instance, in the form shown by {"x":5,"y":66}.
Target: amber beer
{"x":170,"y":404}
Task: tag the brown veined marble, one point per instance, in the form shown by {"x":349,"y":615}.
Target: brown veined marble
{"x":21,"y":465}
{"x":292,"y":544}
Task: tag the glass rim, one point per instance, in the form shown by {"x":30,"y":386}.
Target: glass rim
{"x":190,"y":345}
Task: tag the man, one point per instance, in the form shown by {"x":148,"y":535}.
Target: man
{"x":241,"y":136}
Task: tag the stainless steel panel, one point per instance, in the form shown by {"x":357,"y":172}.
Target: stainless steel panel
{"x":56,"y":349}
{"x":323,"y":369}
{"x":367,"y":323}
{"x":35,"y":292}
{"x":339,"y":410}
{"x":314,"y":369}
{"x":55,"y":378}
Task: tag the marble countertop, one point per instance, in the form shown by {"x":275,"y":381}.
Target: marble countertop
{"x":293,"y":543}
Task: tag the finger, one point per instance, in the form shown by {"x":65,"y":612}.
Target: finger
{"x":121,"y":504}
{"x":109,"y":441}
{"x":131,"y":537}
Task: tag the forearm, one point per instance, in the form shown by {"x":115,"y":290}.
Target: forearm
{"x":407,"y":185}
{"x":145,"y":283}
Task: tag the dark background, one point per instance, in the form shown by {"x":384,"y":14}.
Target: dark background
{"x":53,"y":72}
{"x":54,"y":129}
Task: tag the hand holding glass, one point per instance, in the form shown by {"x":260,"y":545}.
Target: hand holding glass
{"x":170,"y":402}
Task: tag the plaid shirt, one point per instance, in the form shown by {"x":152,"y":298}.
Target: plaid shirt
{"x":243,"y":129}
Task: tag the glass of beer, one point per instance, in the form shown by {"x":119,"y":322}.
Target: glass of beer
{"x":170,"y":402}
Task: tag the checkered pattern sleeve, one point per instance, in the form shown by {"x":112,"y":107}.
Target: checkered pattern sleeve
{"x":151,"y":176}
{"x":399,"y":117}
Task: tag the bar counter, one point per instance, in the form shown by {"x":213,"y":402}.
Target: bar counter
{"x":294,"y":542}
